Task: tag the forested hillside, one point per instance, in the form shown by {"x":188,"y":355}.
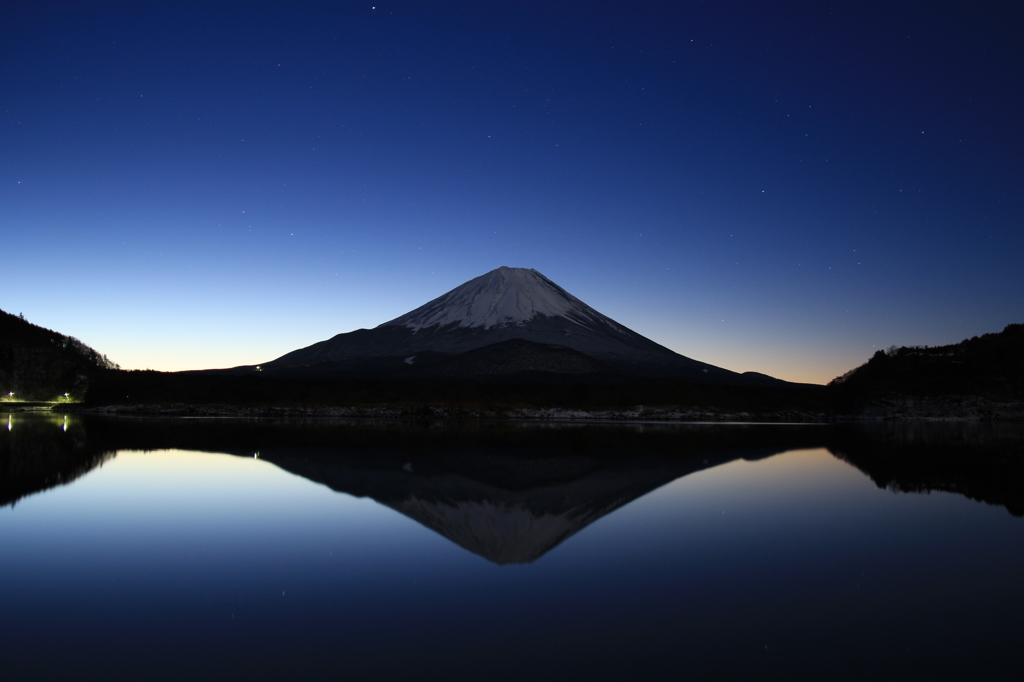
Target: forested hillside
{"x":40,"y":364}
{"x":989,"y":366}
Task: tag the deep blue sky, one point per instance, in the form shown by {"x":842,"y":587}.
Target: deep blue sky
{"x":781,"y":187}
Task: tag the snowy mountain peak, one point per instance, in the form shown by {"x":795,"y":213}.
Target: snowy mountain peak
{"x":495,"y":314}
{"x":501,"y":298}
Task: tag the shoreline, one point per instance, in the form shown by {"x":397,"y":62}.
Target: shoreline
{"x":880,"y":411}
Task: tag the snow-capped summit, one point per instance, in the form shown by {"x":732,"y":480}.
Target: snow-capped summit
{"x":485,"y":315}
{"x":502,"y":297}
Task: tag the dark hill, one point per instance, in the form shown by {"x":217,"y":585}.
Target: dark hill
{"x":988,"y":369}
{"x":992,"y":364}
{"x":40,"y":364}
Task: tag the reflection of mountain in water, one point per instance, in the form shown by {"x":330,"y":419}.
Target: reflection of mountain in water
{"x":507,"y":492}
{"x":511,"y":492}
{"x":981,"y":461}
{"x":503,"y":507}
{"x":40,"y":452}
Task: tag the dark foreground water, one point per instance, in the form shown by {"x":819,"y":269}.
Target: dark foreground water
{"x":215,"y":549}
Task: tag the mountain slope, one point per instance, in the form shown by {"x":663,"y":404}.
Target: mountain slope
{"x":39,"y":364}
{"x":978,"y":378}
{"x":502,"y":305}
{"x":988,"y":365}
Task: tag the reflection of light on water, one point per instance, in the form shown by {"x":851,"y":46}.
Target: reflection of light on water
{"x":61,"y":421}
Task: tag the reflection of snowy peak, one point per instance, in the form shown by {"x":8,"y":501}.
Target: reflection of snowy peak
{"x":498,"y":532}
{"x":502,"y":297}
{"x":524,"y":508}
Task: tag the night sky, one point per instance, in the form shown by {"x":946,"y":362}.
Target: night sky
{"x":780,"y":187}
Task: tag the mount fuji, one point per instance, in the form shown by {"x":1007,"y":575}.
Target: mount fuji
{"x":505,"y":322}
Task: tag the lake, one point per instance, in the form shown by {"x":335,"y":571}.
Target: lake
{"x":134,"y":548}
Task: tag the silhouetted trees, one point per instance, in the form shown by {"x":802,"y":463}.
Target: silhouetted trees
{"x":991,"y":366}
{"x":40,"y":364}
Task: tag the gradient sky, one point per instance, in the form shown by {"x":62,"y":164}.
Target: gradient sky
{"x":780,"y":187}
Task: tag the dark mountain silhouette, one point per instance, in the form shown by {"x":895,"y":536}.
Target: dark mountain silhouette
{"x":982,"y":377}
{"x":991,"y":363}
{"x":444,"y":355}
{"x":39,"y":364}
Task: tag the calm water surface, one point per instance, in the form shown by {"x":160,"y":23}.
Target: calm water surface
{"x":215,"y":549}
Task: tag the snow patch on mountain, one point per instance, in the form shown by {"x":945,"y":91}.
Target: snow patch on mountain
{"x":501,"y":298}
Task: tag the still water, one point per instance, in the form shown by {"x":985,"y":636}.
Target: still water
{"x":219,"y":549}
